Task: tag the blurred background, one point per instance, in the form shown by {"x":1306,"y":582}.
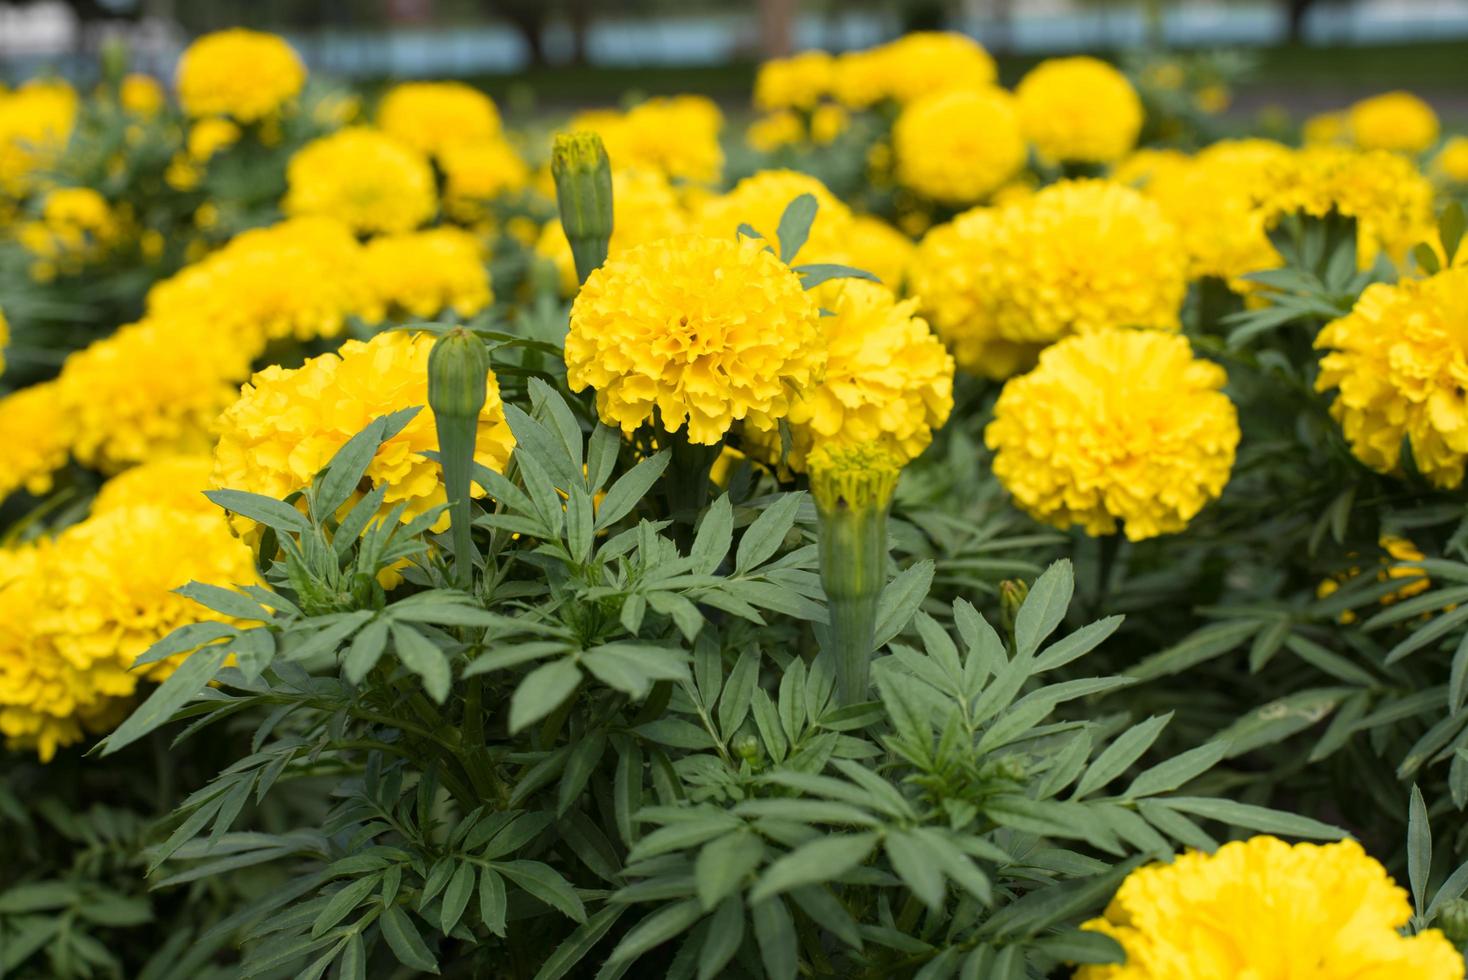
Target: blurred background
{"x":1304,"y":54}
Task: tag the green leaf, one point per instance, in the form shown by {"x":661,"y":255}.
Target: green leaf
{"x":188,"y":680}
{"x":1419,"y":849}
{"x":542,"y":691}
{"x":739,"y":692}
{"x":656,"y":929}
{"x":715,"y":535}
{"x":632,"y":668}
{"x":1119,"y":755}
{"x":343,"y":902}
{"x":794,"y":227}
{"x":366,"y":649}
{"x":545,"y":884}
{"x":227,"y":601}
{"x":774,"y":932}
{"x":581,"y":941}
{"x":1450,"y":225}
{"x":493,"y":903}
{"x":629,"y":489}
{"x":1172,"y":773}
{"x":183,"y":639}
{"x":724,"y":863}
{"x":263,"y":510}
{"x":1203,"y":644}
{"x":344,"y":473}
{"x":405,"y":942}
{"x":1044,"y":608}
{"x":1426,"y":259}
{"x":581,"y":762}
{"x":456,"y":897}
{"x":423,"y":657}
{"x":900,"y":601}
{"x":1082,"y":946}
{"x":763,"y":538}
{"x":812,"y":274}
{"x":1077,"y":644}
{"x":38,"y":896}
{"x":821,"y":860}
{"x":1250,"y":817}
{"x":918,"y":867}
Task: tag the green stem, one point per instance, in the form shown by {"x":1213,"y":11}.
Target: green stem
{"x":456,"y":455}
{"x":853,"y":549}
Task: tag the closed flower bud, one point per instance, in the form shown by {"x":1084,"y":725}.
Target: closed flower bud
{"x":583,"y":176}
{"x":1453,"y":920}
{"x":457,"y":368}
{"x":1012,"y":595}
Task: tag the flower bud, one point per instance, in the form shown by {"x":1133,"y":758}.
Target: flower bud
{"x":1453,"y":921}
{"x":1012,"y":595}
{"x":583,"y":176}
{"x":458,"y":367}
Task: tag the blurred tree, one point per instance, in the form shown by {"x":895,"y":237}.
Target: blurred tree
{"x":776,"y":27}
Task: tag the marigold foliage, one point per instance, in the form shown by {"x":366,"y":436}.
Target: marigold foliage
{"x":287,"y":424}
{"x":1265,"y":908}
{"x":1398,"y":363}
{"x":421,"y":273}
{"x":364,"y":178}
{"x":1079,"y":110}
{"x":958,"y":146}
{"x":4,"y":339}
{"x":1396,"y":121}
{"x":703,"y":330}
{"x":35,"y":437}
{"x":35,"y":124}
{"x":797,"y":82}
{"x":1116,"y":427}
{"x":645,"y":207}
{"x":432,"y":117}
{"x":239,"y":73}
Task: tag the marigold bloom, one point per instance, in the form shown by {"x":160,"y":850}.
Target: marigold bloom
{"x":702,"y":330}
{"x":287,"y":424}
{"x":958,"y":146}
{"x":208,"y":136}
{"x":364,"y":178}
{"x":1452,"y":161}
{"x":35,"y":437}
{"x":431,"y":117}
{"x":644,"y":208}
{"x":1398,"y":362}
{"x":239,"y":73}
{"x":759,"y":201}
{"x":887,"y":380}
{"x":1079,"y":110}
{"x":35,"y":124}
{"x":141,"y":95}
{"x":797,"y":82}
{"x":1395,"y":121}
{"x":1265,"y":908}
{"x":423,"y":273}
{"x":1325,"y":129}
{"x":677,"y":136}
{"x":874,"y":246}
{"x":912,"y":66}
{"x":477,"y":173}
{"x":175,"y":482}
{"x":77,"y":227}
{"x":1120,"y":426}
{"x":773,"y":130}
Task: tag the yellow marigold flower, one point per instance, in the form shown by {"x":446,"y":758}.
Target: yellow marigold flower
{"x":1396,"y":121}
{"x":1452,"y":161}
{"x":1324,"y":129}
{"x":828,"y":122}
{"x":422,"y":273}
{"x":1398,"y":361}
{"x":1140,"y":167}
{"x":477,"y":173}
{"x":243,"y":74}
{"x":434,"y":116}
{"x":141,"y":95}
{"x":645,"y":207}
{"x":874,"y":246}
{"x":208,"y":136}
{"x":364,"y":178}
{"x":854,"y":477}
{"x":173,"y":482}
{"x":761,"y":199}
{"x":797,"y":82}
{"x":35,"y":437}
{"x":703,"y":331}
{"x":774,"y":130}
{"x":1079,"y":110}
{"x":149,"y":389}
{"x":35,"y":124}
{"x":77,"y":227}
{"x":1120,"y":426}
{"x":1222,"y":916}
{"x":677,"y":136}
{"x":1394,"y":548}
{"x":912,"y":66}
{"x":888,"y":380}
{"x":958,"y":146}
{"x":287,"y":424}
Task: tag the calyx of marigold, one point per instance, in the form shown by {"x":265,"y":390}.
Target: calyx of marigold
{"x":1012,"y":595}
{"x":853,"y":490}
{"x":1453,"y":920}
{"x":458,"y":368}
{"x":583,"y":176}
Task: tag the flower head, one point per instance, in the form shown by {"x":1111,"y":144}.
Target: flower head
{"x":210,"y":135}
{"x":644,"y":209}
{"x":1396,"y":121}
{"x":797,"y":82}
{"x":422,"y":273}
{"x":1079,"y":110}
{"x":35,"y":124}
{"x":677,"y":136}
{"x":364,"y":178}
{"x":35,"y":437}
{"x":431,"y":117}
{"x":141,"y":95}
{"x":477,"y":173}
{"x":243,"y":74}
{"x":958,"y":146}
{"x":912,"y":66}
{"x":1120,"y":426}
{"x":760,"y":200}
{"x":1265,"y":908}
{"x":861,"y":477}
{"x":77,"y":227}
{"x":175,"y":482}
{"x":702,"y":330}
{"x":1452,"y":161}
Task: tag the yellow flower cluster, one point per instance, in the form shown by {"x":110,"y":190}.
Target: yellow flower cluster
{"x":35,"y":436}
{"x":1394,"y":549}
{"x":798,"y":82}
{"x":1452,"y":161}
{"x":910,"y":67}
{"x":759,"y":201}
{"x":1395,"y":121}
{"x":476,"y":173}
{"x":1264,"y":908}
{"x":1398,"y":363}
{"x":432,"y":117}
{"x":175,"y":482}
{"x":958,"y":146}
{"x":243,"y":74}
{"x":700,"y":330}
{"x":787,"y":127}
{"x":287,"y":424}
{"x":77,"y":227}
{"x":874,"y":246}
{"x":887,"y":380}
{"x":35,"y":124}
{"x":676,"y":136}
{"x":1120,"y":426}
{"x":644,"y":208}
{"x":420,"y":273}
{"x":1079,"y":110}
{"x":364,"y":178}
{"x":141,"y":95}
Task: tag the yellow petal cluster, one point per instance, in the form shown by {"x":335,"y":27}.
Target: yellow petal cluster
{"x":910,"y":67}
{"x":243,"y":74}
{"x":364,"y":178}
{"x":477,"y":173}
{"x":874,"y":246}
{"x":287,"y":424}
{"x":1263,"y":908}
{"x":431,"y":117}
{"x":77,"y":227}
{"x":1116,"y":427}
{"x":35,"y":124}
{"x":141,"y":95}
{"x":888,"y":380}
{"x":645,"y":207}
{"x":797,"y":82}
{"x":421,"y":273}
{"x":1079,"y":110}
{"x":701,"y":330}
{"x":677,"y":136}
{"x":1399,"y":366}
{"x":1396,"y":121}
{"x":958,"y":146}
{"x":35,"y":437}
{"x":175,"y":482}
{"x":1451,"y":162}
{"x":760,"y":200}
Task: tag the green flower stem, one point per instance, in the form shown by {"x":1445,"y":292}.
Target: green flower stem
{"x":458,"y":370}
{"x":853,"y":548}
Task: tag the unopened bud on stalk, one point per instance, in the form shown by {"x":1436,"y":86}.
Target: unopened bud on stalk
{"x":1012,"y":595}
{"x":1453,"y":920}
{"x":583,"y":177}
{"x":458,"y":369}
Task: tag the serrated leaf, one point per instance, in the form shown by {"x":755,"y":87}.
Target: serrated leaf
{"x":1044,"y":608}
{"x":1120,"y":754}
{"x":545,"y":884}
{"x":723,"y":864}
{"x":1172,"y":773}
{"x":629,"y":489}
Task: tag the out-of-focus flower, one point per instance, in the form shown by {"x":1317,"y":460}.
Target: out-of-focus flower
{"x":774,"y":130}
{"x":644,"y":209}
{"x":173,"y":482}
{"x":1115,"y":427}
{"x":364,"y":178}
{"x":243,"y":74}
{"x":760,"y":200}
{"x":77,"y":227}
{"x":35,"y":437}
{"x":1325,"y":129}
{"x":1079,"y":110}
{"x":828,"y":122}
{"x":208,"y":136}
{"x":676,"y":136}
{"x":1213,"y":99}
{"x":477,"y":173}
{"x":423,"y":273}
{"x":874,"y":246}
{"x":35,"y":124}
{"x":910,"y":67}
{"x":1452,"y":161}
{"x":431,"y":117}
{"x":1395,"y":121}
{"x":958,"y":146}
{"x":141,"y":95}
{"x":1218,"y":917}
{"x":797,"y":82}
{"x":703,"y":331}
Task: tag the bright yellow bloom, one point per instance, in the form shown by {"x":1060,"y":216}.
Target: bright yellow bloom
{"x":141,"y":95}
{"x":35,"y":124}
{"x":797,"y":82}
{"x":364,"y":178}
{"x":874,"y":246}
{"x":208,"y":136}
{"x":287,"y":424}
{"x":828,"y":122}
{"x":1325,"y":129}
{"x":702,"y":331}
{"x":759,"y":201}
{"x":1120,"y":426}
{"x":77,"y":227}
{"x":1452,"y":161}
{"x":1396,"y":121}
{"x":677,"y":136}
{"x":423,"y":273}
{"x":173,"y":482}
{"x":1266,"y":909}
{"x":774,"y":130}
{"x":888,"y":380}
{"x":35,"y":437}
{"x":1079,"y":110}
{"x":243,"y":74}
{"x":477,"y":173}
{"x":433,"y":116}
{"x":644,"y":208}
{"x":958,"y":146}
{"x":1400,"y":362}
{"x":862,"y":476}
{"x":912,"y":66}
